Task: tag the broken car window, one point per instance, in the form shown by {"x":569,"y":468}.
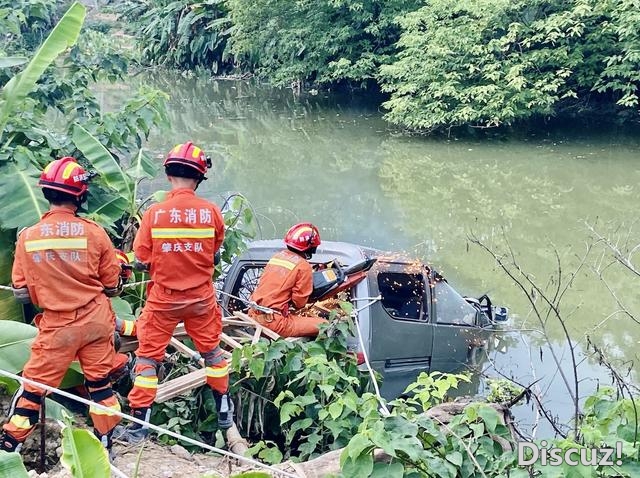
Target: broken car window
{"x":402,"y":294}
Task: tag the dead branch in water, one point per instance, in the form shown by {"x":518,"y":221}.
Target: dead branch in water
{"x":550,"y":307}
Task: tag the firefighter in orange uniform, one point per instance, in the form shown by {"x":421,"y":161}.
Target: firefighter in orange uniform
{"x":66,"y":265}
{"x":177,"y":241}
{"x":287,"y":280}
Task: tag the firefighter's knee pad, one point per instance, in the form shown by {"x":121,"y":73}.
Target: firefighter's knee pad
{"x":145,"y":367}
{"x":26,"y":416}
{"x":214,"y":357}
{"x":100,"y":389}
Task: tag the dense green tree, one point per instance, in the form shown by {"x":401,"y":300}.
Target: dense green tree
{"x":181,"y":34}
{"x":488,"y":62}
{"x":322,"y":41}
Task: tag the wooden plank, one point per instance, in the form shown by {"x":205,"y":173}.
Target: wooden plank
{"x":241,"y":323}
{"x":183,"y":349}
{"x":197,"y":378}
{"x":130,"y":344}
{"x":257,"y":335}
{"x":230,"y":341}
{"x":265,"y":331}
{"x":180,"y":385}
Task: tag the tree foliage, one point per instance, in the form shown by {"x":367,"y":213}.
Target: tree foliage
{"x":321,"y":41}
{"x":487,"y":63}
{"x":182,"y":34}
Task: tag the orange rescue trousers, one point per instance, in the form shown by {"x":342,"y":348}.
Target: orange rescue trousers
{"x":163,"y":311}
{"x":290,"y":326}
{"x":87,"y":334}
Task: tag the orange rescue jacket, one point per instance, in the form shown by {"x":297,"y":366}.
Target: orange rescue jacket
{"x":286,"y":278}
{"x":178,"y":239}
{"x":66,"y":261}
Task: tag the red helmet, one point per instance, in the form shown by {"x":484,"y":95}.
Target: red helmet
{"x":65,"y":175}
{"x":302,"y":237}
{"x":187,"y":154}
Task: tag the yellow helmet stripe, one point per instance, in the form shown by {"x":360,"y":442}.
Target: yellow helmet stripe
{"x":68,"y":169}
{"x":195,"y":153}
{"x":302,"y":230}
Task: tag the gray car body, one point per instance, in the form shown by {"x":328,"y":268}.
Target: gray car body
{"x":432,"y":329}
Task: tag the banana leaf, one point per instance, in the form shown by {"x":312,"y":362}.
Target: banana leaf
{"x":105,"y":207}
{"x":11,"y":465}
{"x":27,"y":204}
{"x":142,"y":167}
{"x":111,"y":173}
{"x":15,"y":349}
{"x":83,"y":454}
{"x":63,"y":36}
{"x":15,"y":345}
{"x":10,"y":309}
{"x":9,"y":61}
{"x":122,"y":308}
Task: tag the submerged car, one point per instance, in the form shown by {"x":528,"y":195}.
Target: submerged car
{"x":411,"y":319}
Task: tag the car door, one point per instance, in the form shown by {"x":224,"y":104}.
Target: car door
{"x":457,"y":338}
{"x":401,"y":335}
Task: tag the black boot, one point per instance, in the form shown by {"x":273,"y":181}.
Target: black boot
{"x":107,"y":442}
{"x":225,"y":408}
{"x":8,"y":443}
{"x":134,"y":432}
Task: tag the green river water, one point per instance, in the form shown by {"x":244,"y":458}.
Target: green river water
{"x":332,"y":159}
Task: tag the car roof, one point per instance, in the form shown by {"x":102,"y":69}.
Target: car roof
{"x":346,"y":252}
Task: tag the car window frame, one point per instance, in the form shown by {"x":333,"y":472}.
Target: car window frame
{"x":425,"y":308}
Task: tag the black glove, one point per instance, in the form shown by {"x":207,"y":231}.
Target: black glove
{"x":21,"y":295}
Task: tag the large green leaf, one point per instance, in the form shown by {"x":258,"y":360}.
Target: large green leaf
{"x":63,"y":36}
{"x":83,"y":454}
{"x":73,"y":377}
{"x":9,"y":61}
{"x":11,"y":466}
{"x":111,"y":173}
{"x":106,"y":207}
{"x":122,"y":308}
{"x":15,"y":349}
{"x":142,"y":166}
{"x":15,"y":345}
{"x":26,"y":203}
{"x":9,"y":308}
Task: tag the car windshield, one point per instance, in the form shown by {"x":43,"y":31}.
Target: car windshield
{"x":451,"y":308}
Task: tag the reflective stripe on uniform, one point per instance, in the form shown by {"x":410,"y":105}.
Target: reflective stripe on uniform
{"x":21,"y":422}
{"x":217,"y":372}
{"x":58,"y":243}
{"x":97,"y":411}
{"x":145,"y":382}
{"x":182,"y":233}
{"x":128,"y":327}
{"x":282,"y":263}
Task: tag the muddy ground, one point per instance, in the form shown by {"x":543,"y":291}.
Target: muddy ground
{"x":158,"y":461}
{"x":154,"y":461}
